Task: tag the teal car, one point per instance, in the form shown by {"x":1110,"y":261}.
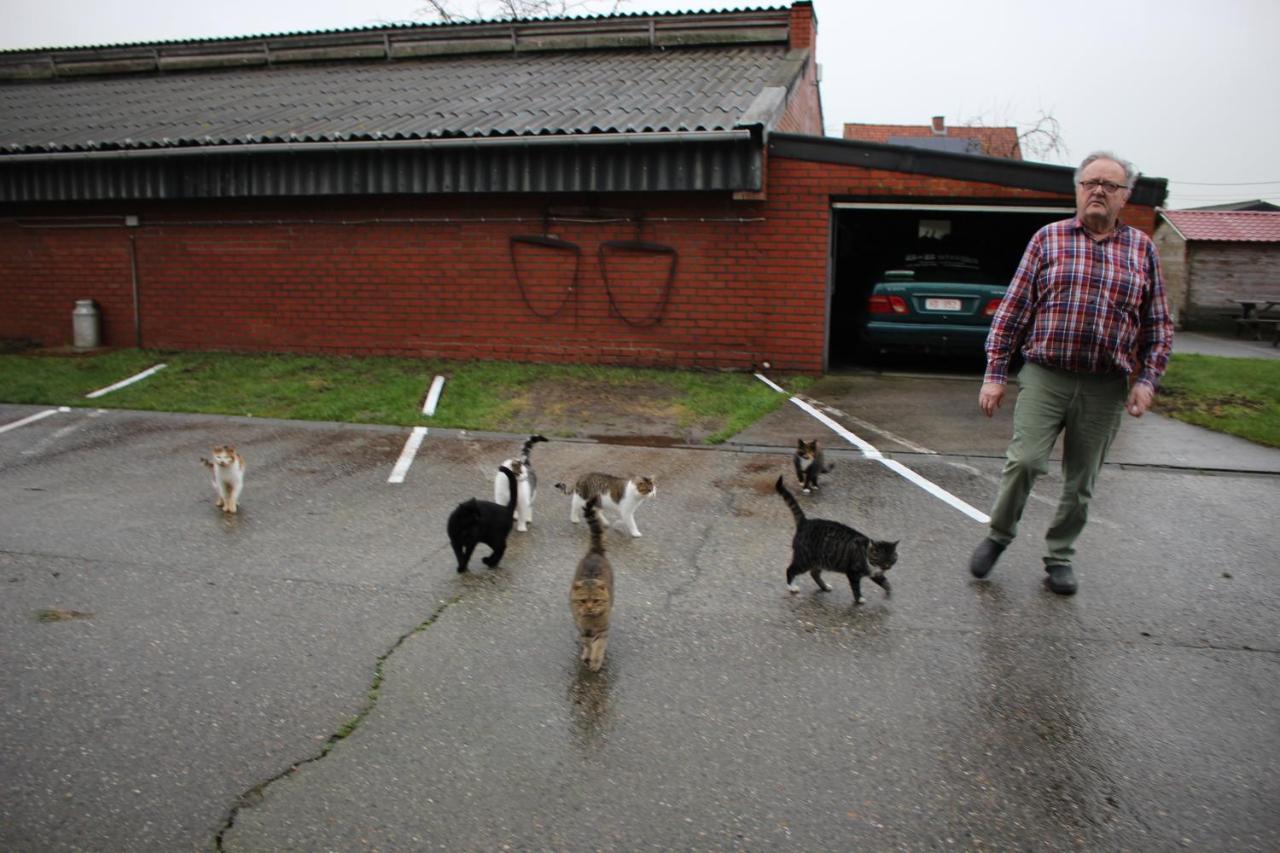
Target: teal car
{"x":929,"y":310}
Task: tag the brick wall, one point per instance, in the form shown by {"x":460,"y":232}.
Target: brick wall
{"x":436,"y":277}
{"x":804,"y":105}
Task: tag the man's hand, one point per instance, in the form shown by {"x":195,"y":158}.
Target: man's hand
{"x":990,"y":397}
{"x":1140,"y":397}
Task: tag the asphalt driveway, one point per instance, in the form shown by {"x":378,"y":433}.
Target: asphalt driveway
{"x":313,"y":674}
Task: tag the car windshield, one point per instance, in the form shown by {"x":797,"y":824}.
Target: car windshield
{"x":941,"y":267}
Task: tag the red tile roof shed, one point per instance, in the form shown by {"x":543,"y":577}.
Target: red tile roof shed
{"x":1226,"y":226}
{"x":995,"y":141}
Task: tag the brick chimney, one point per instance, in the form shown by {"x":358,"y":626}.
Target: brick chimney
{"x":939,"y":126}
{"x":803,"y":30}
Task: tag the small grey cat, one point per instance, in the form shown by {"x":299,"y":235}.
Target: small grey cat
{"x":809,"y":464}
{"x":820,"y":545}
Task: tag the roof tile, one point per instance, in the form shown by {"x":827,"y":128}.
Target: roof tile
{"x":1226,"y":226}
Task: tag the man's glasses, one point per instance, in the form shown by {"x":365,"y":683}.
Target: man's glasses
{"x":1106,"y":186}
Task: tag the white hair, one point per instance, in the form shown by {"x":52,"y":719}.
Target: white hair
{"x":1130,"y":171}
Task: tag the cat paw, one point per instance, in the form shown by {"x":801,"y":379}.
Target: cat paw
{"x":792,"y":588}
{"x":635,"y":534}
{"x":806,"y":492}
{"x":859,"y":600}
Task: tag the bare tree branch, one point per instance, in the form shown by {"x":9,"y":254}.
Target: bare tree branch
{"x":470,"y":11}
{"x":1039,"y":139}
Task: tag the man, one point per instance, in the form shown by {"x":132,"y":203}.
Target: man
{"x":1087,"y":311}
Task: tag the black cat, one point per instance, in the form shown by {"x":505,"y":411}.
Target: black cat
{"x":476,"y":521}
{"x":821,"y":545}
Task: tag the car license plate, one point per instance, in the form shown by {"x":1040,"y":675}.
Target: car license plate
{"x":942,"y":305}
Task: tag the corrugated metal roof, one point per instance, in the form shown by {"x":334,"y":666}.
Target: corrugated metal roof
{"x":1226,"y":226}
{"x":520,"y":94}
{"x":409,"y":27}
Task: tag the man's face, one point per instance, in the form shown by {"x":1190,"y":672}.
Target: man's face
{"x":1099,"y":206}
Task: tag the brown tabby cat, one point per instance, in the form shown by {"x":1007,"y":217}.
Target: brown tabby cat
{"x":591,"y":595}
{"x":228,"y":476}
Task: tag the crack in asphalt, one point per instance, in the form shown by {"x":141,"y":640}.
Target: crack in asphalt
{"x":728,"y":500}
{"x":255,"y":794}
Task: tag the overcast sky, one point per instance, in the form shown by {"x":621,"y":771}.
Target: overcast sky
{"x":1187,"y":89}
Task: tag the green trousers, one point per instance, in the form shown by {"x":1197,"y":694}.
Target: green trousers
{"x":1088,"y":409}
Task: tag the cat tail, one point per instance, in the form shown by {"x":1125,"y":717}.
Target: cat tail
{"x":593,"y":521}
{"x":511,"y":487}
{"x":791,"y":501}
{"x":528,"y":446}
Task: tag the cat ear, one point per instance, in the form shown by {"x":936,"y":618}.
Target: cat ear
{"x":800,"y":444}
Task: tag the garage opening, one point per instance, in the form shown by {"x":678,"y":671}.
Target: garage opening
{"x":908,"y":243}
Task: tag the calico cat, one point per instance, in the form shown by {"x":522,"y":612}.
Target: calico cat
{"x":475,"y":521}
{"x":809,"y":464}
{"x":591,"y":595}
{"x":228,"y":476}
{"x":820,"y":545}
{"x":616,"y":494}
{"x":526,"y":485}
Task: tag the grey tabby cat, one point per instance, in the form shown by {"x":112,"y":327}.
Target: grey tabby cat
{"x":809,"y":464}
{"x":820,"y":545}
{"x":591,"y":595}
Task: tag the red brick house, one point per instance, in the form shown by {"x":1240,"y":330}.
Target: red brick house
{"x":631,"y":189}
{"x":962,"y":139}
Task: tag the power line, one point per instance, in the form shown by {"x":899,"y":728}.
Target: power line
{"x":1222,"y":184}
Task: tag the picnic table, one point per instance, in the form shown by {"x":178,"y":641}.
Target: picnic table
{"x":1255,"y":316}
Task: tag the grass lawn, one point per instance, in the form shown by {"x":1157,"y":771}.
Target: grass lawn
{"x":1240,"y":396}
{"x":495,"y":396}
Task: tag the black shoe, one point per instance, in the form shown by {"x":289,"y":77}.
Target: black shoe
{"x":1061,"y":579}
{"x":984,"y":558}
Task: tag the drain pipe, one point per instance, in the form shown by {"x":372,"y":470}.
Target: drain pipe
{"x":131,"y":222}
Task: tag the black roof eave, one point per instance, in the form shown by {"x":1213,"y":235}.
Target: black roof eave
{"x":653,"y":162}
{"x":942,"y":164}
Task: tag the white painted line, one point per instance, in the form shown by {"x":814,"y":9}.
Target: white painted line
{"x":433,"y":396}
{"x":897,"y":467}
{"x":132,"y":379}
{"x":897,"y":439}
{"x":870,"y":452}
{"x":406,"y":456}
{"x":767,"y":381}
{"x":30,"y":419}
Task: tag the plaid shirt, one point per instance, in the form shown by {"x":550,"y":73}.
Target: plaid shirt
{"x":1085,"y":305}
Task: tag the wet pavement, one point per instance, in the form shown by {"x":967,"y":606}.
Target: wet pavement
{"x":312,"y":674}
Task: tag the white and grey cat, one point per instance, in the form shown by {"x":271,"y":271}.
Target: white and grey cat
{"x":618,"y":495}
{"x":228,"y":476}
{"x":526,"y":484}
